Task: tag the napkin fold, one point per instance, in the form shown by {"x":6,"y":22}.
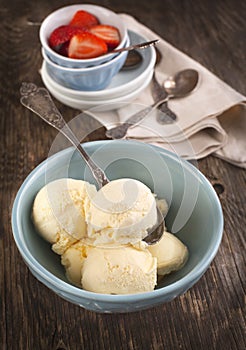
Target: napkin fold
{"x":211,"y":120}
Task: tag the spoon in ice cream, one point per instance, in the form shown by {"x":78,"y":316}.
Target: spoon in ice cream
{"x":39,"y":101}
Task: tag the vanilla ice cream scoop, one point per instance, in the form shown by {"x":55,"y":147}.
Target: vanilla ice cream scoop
{"x":121,"y":270}
{"x":170,"y":252}
{"x":121,"y":212}
{"x":58,"y":212}
{"x":72,"y":259}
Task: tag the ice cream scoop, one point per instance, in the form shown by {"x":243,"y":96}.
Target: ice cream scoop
{"x":58,"y":212}
{"x":73,"y":259}
{"x":170,"y":252}
{"x":122,"y":270}
{"x":121,"y":212}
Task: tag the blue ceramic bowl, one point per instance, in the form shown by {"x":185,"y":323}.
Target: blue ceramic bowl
{"x":86,"y":79}
{"x":63,"y":16}
{"x":194,"y":216}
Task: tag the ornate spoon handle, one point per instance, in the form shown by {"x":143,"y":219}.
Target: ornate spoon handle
{"x":137,"y":46}
{"x":120,"y":131}
{"x":39,"y":101}
{"x":167,"y":116}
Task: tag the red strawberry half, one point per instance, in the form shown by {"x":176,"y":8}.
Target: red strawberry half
{"x":107,"y":33}
{"x":62,"y":34}
{"x":86,"y":45}
{"x":83,"y":19}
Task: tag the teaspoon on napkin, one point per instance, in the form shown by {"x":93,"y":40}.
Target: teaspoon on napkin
{"x":120,"y":131}
{"x":133,"y":60}
{"x":178,"y":86}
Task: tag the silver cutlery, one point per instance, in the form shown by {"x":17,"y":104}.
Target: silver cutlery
{"x":166,"y":116}
{"x":120,"y":131}
{"x":177,"y":86}
{"x":39,"y":101}
{"x":134,"y":47}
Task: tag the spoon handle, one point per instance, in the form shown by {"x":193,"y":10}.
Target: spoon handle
{"x":167,"y":116}
{"x":157,"y":89}
{"x":39,"y":101}
{"x":135,"y":46}
{"x":120,"y":131}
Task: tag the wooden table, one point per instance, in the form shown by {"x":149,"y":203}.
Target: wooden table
{"x":209,"y":316}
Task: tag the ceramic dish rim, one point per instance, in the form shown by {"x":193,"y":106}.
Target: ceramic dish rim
{"x":96,"y":103}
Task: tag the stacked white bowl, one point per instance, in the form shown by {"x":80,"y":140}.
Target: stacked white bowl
{"x":100,"y":81}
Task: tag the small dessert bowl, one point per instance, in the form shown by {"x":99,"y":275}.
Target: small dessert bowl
{"x":85,"y":79}
{"x":62,"y":16}
{"x":124,"y":83}
{"x":194,"y":216}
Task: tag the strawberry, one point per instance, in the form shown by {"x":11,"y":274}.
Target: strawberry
{"x":83,"y":19}
{"x":86,"y":45}
{"x":62,"y":34}
{"x":108,"y":33}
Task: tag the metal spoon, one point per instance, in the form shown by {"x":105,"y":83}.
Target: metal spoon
{"x":119,"y":132}
{"x":167,"y":115}
{"x":177,"y":86}
{"x":133,"y":60}
{"x":181,"y":84}
{"x":135,"y":46}
{"x":39,"y":101}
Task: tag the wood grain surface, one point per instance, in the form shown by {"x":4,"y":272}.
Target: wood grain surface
{"x":211,"y":315}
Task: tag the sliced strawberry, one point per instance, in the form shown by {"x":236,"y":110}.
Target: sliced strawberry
{"x":83,"y":19}
{"x":86,"y":45}
{"x":62,"y":34}
{"x":108,"y":33}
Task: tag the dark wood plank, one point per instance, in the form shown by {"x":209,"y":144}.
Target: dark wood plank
{"x":211,"y":314}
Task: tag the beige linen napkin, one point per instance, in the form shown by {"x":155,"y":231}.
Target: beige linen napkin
{"x":212,"y":119}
